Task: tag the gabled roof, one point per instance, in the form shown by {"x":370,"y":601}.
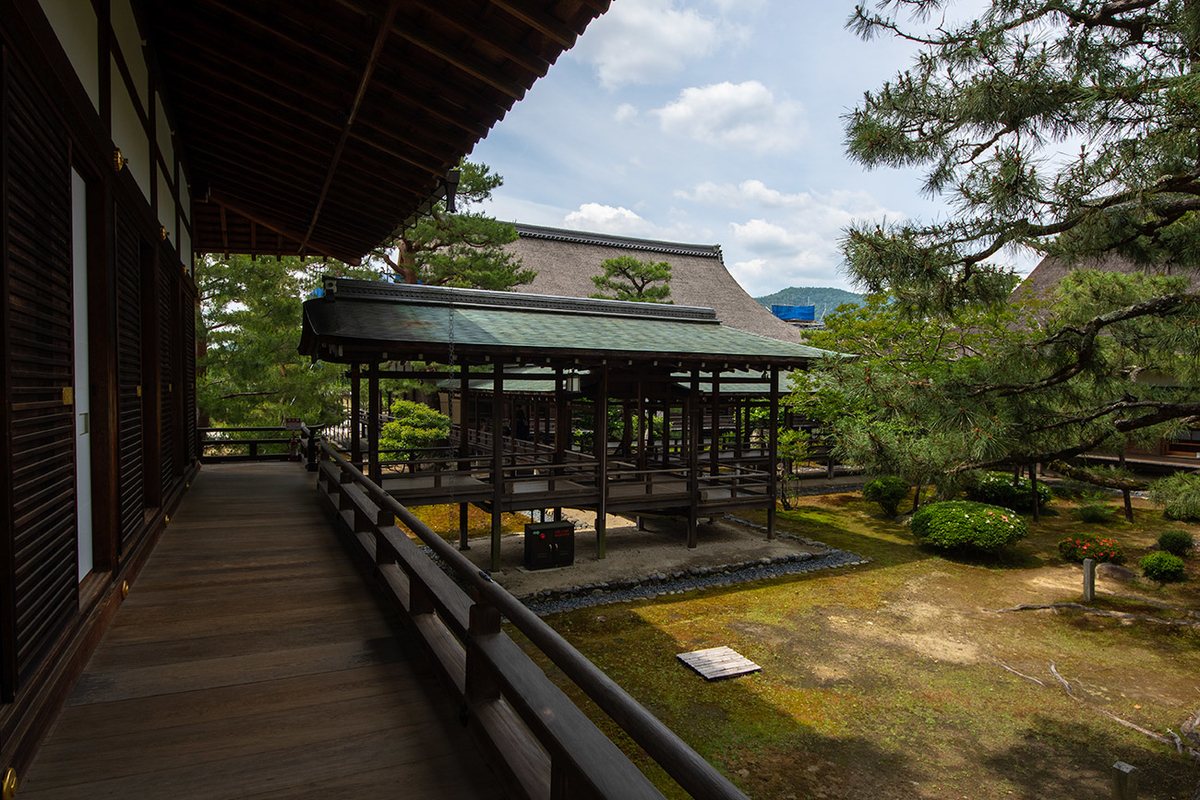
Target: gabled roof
{"x":324,"y":125}
{"x":365,"y":320}
{"x":566,"y":260}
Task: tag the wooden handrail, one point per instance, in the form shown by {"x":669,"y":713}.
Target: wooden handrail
{"x":684,"y":765}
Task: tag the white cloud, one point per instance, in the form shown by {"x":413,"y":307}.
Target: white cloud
{"x":600,"y":218}
{"x":743,"y":115}
{"x":624,"y":112}
{"x":645,"y":41}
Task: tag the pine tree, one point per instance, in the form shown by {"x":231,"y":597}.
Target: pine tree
{"x":464,"y":249}
{"x":1108,"y":357}
{"x":627,"y":278}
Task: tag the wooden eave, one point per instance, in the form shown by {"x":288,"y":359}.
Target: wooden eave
{"x":321,"y":125}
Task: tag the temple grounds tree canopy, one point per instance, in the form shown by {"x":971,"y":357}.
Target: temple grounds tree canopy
{"x":956,"y":373}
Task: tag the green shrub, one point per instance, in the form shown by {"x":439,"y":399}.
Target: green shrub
{"x":1089,"y":545}
{"x":965,"y":525}
{"x":1163,"y":567}
{"x":1094,"y":508}
{"x":998,"y":489}
{"x":1176,"y":542}
{"x":1178,"y":495}
{"x":416,"y":426}
{"x":888,"y":491}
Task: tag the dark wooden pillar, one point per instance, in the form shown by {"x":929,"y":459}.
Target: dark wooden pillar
{"x":641,"y":426}
{"x":464,"y":449}
{"x":714,"y":463}
{"x":773,"y":452}
{"x":600,"y":444}
{"x":562,"y":428}
{"x":355,"y":413}
{"x":373,"y":411}
{"x":497,"y":459}
{"x":737,"y":429}
{"x":692,"y":417}
{"x":666,"y":437}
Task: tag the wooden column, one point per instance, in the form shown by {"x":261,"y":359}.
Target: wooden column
{"x":737,"y":430}
{"x":772,"y":451}
{"x":355,"y":412}
{"x":641,"y":428}
{"x":561,"y":429}
{"x":714,"y":450}
{"x":692,"y":417}
{"x":464,"y":450}
{"x":600,"y":445}
{"x":497,"y":459}
{"x":666,"y":438}
{"x":373,"y":411}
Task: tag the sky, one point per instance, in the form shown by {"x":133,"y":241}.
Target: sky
{"x":708,"y":122}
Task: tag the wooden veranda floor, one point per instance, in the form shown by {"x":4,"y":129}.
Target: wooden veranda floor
{"x":250,"y":660}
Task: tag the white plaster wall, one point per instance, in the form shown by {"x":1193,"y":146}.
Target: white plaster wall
{"x":130,"y":41}
{"x":185,"y":251}
{"x":75,"y":25}
{"x":129,"y":135}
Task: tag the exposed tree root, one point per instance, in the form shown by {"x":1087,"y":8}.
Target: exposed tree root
{"x":1001,"y":664}
{"x":1100,"y":612}
{"x":1066,"y":684}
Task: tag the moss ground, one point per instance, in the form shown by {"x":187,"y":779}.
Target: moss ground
{"x":888,"y":680}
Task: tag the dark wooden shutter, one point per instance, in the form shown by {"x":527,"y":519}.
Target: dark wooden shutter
{"x":128,"y":248}
{"x":189,"y":377}
{"x":38,"y":351}
{"x":167,"y":330}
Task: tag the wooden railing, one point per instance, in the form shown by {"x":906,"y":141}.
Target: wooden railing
{"x":249,"y":444}
{"x":542,"y":745}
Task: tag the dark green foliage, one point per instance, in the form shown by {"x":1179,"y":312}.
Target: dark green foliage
{"x":627,"y":278}
{"x":1089,"y":545}
{"x":1001,"y":489}
{"x":966,"y":525}
{"x":1163,"y":567}
{"x":249,"y":371}
{"x":1178,"y":495}
{"x":1176,"y":542}
{"x":416,"y":426}
{"x":1094,"y":508}
{"x":888,"y":491}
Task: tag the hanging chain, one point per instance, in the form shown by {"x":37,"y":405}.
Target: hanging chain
{"x":450,"y":314}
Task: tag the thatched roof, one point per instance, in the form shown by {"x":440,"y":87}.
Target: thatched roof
{"x":1050,"y":271}
{"x":566,"y":261}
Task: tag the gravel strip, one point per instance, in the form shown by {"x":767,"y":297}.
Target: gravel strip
{"x":662,"y":584}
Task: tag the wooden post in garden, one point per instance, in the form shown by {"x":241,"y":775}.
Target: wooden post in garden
{"x":1124,"y":785}
{"x":1089,"y":580}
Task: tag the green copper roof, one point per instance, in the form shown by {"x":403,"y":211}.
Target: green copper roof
{"x":400,"y":320}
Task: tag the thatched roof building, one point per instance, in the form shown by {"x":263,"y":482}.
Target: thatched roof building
{"x":1050,"y":271}
{"x":566,"y":260}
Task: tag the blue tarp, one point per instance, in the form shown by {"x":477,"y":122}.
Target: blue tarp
{"x":795,"y":313}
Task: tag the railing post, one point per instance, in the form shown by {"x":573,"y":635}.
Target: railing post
{"x":314,"y":440}
{"x":481,"y":685}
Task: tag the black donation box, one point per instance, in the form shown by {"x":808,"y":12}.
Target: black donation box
{"x":549,"y":544}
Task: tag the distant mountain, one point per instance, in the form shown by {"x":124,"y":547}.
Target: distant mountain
{"x":825,"y":298}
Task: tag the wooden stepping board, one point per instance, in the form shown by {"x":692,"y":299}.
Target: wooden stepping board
{"x":718,"y":662}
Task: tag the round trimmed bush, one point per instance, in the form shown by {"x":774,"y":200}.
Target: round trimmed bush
{"x":998,"y":489}
{"x":1163,"y":567}
{"x":888,"y":491}
{"x":966,"y":525}
{"x":1089,"y":545}
{"x":1176,"y":542}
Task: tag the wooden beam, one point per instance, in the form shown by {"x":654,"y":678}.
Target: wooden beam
{"x":773,"y":452}
{"x":539,"y":20}
{"x":373,"y":412}
{"x":380,"y":38}
{"x":355,"y":413}
{"x":600,"y":444}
